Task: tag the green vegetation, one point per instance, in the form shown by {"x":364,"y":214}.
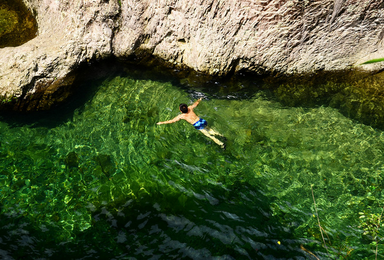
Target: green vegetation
{"x":373,"y":61}
{"x":373,"y":228}
{"x":8,"y":99}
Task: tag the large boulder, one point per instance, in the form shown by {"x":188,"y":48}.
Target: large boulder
{"x":215,"y":37}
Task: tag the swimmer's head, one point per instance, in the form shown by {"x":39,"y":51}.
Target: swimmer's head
{"x":183,"y":108}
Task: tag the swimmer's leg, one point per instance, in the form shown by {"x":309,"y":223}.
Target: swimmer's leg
{"x":207,"y":134}
{"x":213,"y":132}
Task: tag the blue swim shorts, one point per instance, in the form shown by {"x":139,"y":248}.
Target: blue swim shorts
{"x":201,"y":124}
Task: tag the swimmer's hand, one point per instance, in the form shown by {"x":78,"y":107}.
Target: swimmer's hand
{"x":159,"y":123}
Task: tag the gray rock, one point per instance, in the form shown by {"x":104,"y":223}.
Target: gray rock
{"x":215,"y":37}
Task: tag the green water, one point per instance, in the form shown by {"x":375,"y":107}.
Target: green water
{"x":103,"y":180}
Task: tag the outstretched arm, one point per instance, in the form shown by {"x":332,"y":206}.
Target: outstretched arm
{"x":170,"y":121}
{"x":196,"y":103}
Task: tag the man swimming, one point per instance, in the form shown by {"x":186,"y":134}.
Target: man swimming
{"x":200,"y":124}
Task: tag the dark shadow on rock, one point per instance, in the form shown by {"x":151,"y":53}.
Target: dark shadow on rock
{"x":83,"y":85}
{"x":358,"y":95}
{"x":17,"y":23}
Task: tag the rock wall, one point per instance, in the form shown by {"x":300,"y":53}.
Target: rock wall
{"x":217,"y":37}
{"x":210,"y":36}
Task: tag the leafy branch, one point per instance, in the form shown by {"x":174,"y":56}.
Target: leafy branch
{"x":371,"y":225}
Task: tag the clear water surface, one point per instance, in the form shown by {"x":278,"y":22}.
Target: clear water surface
{"x":104,"y":181}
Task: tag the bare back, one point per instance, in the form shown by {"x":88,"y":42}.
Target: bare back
{"x":190,"y":117}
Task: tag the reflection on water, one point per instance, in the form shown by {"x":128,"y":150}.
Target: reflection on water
{"x":109,"y":181}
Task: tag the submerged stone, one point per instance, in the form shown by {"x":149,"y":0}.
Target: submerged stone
{"x":4,"y":173}
{"x":357,"y":94}
{"x":18,"y":184}
{"x":72,"y":160}
{"x":106,"y":163}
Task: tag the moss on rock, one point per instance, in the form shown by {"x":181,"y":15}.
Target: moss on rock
{"x":17,"y":24}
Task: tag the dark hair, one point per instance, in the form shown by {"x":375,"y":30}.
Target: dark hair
{"x":183,"y":108}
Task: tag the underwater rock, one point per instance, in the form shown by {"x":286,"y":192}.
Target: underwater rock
{"x":106,"y":163}
{"x":17,"y":184}
{"x":4,"y":173}
{"x":207,"y":36}
{"x":3,"y":154}
{"x":72,"y":160}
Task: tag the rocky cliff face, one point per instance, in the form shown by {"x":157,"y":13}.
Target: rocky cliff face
{"x":217,"y":37}
{"x":210,"y":36}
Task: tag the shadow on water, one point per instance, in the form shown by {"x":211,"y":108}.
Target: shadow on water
{"x":89,"y":78}
{"x":239,"y":86}
{"x":356,"y":94}
{"x":138,"y":228}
